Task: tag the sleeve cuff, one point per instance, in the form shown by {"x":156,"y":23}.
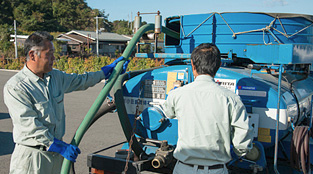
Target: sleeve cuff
{"x":49,"y":144}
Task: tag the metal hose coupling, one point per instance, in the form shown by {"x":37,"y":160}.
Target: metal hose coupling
{"x":163,"y":156}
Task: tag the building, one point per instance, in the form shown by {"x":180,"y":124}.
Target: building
{"x":20,"y":40}
{"x":78,"y":42}
{"x":84,"y":42}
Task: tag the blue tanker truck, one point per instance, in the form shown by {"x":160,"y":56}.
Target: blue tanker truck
{"x":266,"y":60}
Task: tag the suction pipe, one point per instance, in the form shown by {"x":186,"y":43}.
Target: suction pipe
{"x":106,"y":89}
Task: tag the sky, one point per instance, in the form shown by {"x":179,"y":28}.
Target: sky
{"x":125,"y":9}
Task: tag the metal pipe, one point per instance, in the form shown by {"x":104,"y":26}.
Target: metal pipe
{"x":157,"y":30}
{"x":156,"y":42}
{"x":311,"y":113}
{"x":274,"y":36}
{"x":148,"y":13}
{"x":106,"y":89}
{"x":15,"y":40}
{"x":97,"y":33}
{"x":277,"y":119}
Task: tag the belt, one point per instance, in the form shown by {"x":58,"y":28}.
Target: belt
{"x":39,"y":147}
{"x":216,"y":166}
{"x":42,"y":148}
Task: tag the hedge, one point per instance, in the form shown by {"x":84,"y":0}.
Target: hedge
{"x":81,"y":65}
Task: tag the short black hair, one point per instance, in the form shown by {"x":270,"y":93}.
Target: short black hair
{"x":206,"y":59}
{"x":36,"y":39}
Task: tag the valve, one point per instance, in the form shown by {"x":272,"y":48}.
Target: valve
{"x":163,"y":156}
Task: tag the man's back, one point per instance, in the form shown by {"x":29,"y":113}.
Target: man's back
{"x":205,"y":112}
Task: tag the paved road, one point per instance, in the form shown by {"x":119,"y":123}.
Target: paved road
{"x":105,"y":132}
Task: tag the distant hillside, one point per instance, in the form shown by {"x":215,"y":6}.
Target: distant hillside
{"x":52,"y":16}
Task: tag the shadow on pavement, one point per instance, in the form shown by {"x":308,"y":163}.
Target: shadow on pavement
{"x":4,"y":116}
{"x":7,"y":144}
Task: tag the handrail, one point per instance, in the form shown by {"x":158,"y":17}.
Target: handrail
{"x":281,"y":69}
{"x":108,"y":86}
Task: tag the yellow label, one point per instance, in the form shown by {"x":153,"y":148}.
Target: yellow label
{"x":181,"y":76}
{"x":264,"y":131}
{"x":264,"y":138}
{"x":171,"y":78}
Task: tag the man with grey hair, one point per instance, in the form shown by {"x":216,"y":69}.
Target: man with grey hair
{"x":34,"y":97}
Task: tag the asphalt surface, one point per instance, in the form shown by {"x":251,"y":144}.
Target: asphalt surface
{"x":103,"y":133}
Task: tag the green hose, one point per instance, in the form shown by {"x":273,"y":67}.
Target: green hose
{"x":122,"y":113}
{"x":105,"y":91}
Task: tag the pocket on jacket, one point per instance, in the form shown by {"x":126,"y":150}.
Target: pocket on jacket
{"x":59,"y":99}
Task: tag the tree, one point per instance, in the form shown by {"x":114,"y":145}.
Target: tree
{"x":35,"y":15}
{"x":121,"y":27}
{"x":6,"y":15}
{"x":103,"y":23}
{"x":6,"y":47}
{"x":72,"y":14}
{"x":52,"y":15}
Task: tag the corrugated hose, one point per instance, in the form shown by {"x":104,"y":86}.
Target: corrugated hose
{"x":300,"y":149}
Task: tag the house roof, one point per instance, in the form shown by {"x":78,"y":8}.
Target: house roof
{"x":63,"y":36}
{"x":26,"y":36}
{"x":103,"y":36}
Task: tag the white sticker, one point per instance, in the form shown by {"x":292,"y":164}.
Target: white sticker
{"x":132,"y":102}
{"x":254,"y":123}
{"x":252,"y":93}
{"x":180,"y":76}
{"x":227,"y":83}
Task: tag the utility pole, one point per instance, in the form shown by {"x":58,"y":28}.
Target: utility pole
{"x":15,"y":40}
{"x":131,"y":20}
{"x":97,"y":33}
{"x":128,"y":20}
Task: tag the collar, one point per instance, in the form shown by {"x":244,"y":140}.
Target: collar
{"x":33,"y":76}
{"x":47,"y":75}
{"x":204,"y":78}
{"x":30,"y":74}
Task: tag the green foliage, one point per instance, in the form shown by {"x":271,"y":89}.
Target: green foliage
{"x":73,"y":14}
{"x":35,"y":15}
{"x":94,"y":63}
{"x":6,"y":15}
{"x":6,"y":47}
{"x":80,"y":65}
{"x":121,"y":27}
{"x":145,"y":48}
{"x":140,"y":63}
{"x":52,"y":15}
{"x":14,"y":64}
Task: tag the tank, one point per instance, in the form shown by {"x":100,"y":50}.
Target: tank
{"x":238,"y":33}
{"x":266,"y":60}
{"x":253,"y":45}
